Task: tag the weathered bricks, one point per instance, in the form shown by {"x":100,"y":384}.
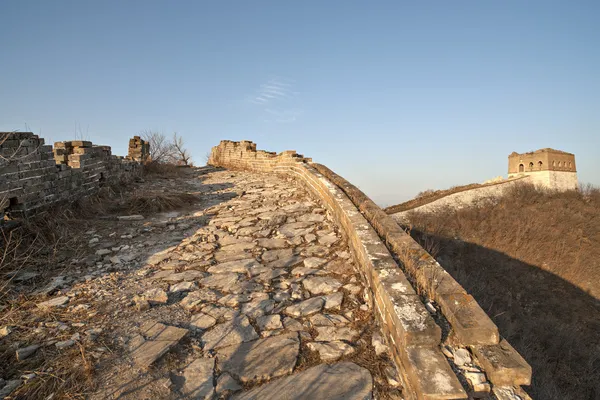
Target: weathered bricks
{"x":139,"y":149}
{"x":503,"y":364}
{"x":34,"y":176}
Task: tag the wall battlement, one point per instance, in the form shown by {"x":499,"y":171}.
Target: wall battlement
{"x":34,"y":175}
{"x":377,"y":242}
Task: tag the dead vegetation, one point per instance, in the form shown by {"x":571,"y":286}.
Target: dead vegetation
{"x":42,"y":247}
{"x":532,"y":260}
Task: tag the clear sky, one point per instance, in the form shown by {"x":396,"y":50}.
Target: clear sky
{"x":396,"y":96}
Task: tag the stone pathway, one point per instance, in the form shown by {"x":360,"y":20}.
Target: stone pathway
{"x":251,"y":294}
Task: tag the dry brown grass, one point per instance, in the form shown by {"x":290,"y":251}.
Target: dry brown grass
{"x":532,"y":261}
{"x":163,"y":170}
{"x":45,"y":244}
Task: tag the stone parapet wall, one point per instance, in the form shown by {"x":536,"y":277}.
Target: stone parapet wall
{"x":34,"y":176}
{"x":466,"y":198}
{"x":409,"y":328}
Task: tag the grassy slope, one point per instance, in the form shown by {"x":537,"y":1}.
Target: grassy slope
{"x":532,"y":260}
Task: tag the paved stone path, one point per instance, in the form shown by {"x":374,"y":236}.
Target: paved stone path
{"x":251,"y":294}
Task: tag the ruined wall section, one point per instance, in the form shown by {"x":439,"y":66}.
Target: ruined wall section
{"x":34,"y":176}
{"x":409,"y":329}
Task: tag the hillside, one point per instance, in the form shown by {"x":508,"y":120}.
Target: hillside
{"x":532,"y":260}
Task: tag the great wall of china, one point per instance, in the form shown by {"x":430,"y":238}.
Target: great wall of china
{"x":442,"y":343}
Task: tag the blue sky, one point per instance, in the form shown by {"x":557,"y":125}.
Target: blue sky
{"x":396,"y":96}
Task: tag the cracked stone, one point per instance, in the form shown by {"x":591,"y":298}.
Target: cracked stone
{"x":314,"y":262}
{"x":162,"y":339}
{"x":292,"y":325}
{"x":202,"y":321}
{"x":272,"y":243}
{"x":218,"y":312}
{"x":285,"y":262}
{"x":328,"y":320}
{"x":269,"y":322}
{"x":183,"y":287}
{"x":306,"y":307}
{"x":239,"y":266}
{"x":233,"y":332}
{"x":195,"y":299}
{"x":198,"y":378}
{"x":336,"y":333}
{"x":333,"y":301}
{"x":220,"y":281}
{"x":321,"y":285}
{"x":258,"y":307}
{"x":261,"y":359}
{"x":331,"y":351}
{"x":226,"y":384}
{"x":343,"y":380}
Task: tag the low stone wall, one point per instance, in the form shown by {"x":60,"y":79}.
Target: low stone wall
{"x":34,"y":176}
{"x":465,"y":198}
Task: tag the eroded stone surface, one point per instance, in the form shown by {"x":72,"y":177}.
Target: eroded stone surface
{"x":342,"y":381}
{"x":261,"y":359}
{"x":232,"y":332}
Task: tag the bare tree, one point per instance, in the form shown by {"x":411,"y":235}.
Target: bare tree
{"x":161,"y":148}
{"x":183,"y":155}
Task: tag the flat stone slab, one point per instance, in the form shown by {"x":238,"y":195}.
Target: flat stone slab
{"x":199,"y":297}
{"x":199,"y":379}
{"x":261,"y":359}
{"x":188,"y":275}
{"x":161,"y":339}
{"x":306,"y":307}
{"x":233,"y":332}
{"x":202,"y":321}
{"x":220,"y":281}
{"x":345,"y":333}
{"x":331,"y":351}
{"x":341,"y":381}
{"x":55,"y":302}
{"x":239,"y":266}
{"x":321,"y":284}
{"x":272,"y":243}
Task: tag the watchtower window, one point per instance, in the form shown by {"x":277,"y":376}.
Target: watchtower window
{"x":521,"y":168}
{"x":570,"y":165}
{"x":554,"y":163}
{"x":540,"y":164}
{"x":531,"y":165}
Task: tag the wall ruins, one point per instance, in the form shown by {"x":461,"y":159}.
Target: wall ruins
{"x":34,"y":175}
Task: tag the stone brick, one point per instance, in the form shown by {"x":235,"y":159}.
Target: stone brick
{"x":503,"y":364}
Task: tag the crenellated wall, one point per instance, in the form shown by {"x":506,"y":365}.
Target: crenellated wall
{"x":377,"y":242}
{"x":34,"y":175}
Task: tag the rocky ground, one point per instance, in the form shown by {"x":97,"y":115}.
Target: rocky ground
{"x":250,"y":293}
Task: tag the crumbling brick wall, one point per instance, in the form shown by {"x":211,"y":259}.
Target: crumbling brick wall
{"x":34,"y":176}
{"x":139,"y":149}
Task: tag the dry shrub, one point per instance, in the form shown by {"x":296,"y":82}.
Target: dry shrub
{"x":531,"y":258}
{"x":140,"y":202}
{"x":163,"y":170}
{"x":72,"y":377}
